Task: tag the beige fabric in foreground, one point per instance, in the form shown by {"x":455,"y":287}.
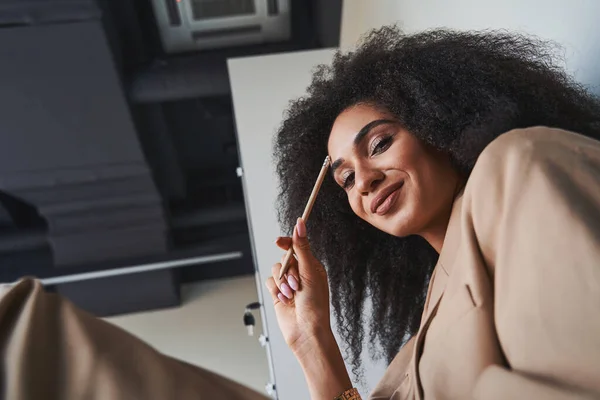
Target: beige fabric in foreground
{"x":53,"y":350}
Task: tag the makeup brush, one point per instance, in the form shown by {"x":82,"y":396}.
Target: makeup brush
{"x":309,"y":205}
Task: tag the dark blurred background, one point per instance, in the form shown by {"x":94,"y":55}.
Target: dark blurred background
{"x":117,"y":139}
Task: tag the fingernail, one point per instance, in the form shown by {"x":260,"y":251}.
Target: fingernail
{"x":292,"y":282}
{"x":285,"y":289}
{"x":301,"y":228}
{"x":281,"y":298}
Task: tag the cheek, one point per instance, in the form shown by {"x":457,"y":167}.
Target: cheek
{"x":355,"y":202}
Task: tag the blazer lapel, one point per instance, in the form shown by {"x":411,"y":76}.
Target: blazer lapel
{"x":437,"y":285}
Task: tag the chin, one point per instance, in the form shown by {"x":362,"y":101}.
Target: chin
{"x":398,"y":225}
{"x":398,"y":230}
{"x":401,"y":232}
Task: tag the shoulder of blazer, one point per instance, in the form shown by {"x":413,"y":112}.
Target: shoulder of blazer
{"x":530,"y":153}
{"x":539,"y":166}
{"x":532,"y":145}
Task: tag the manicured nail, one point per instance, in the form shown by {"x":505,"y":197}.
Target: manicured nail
{"x":293,"y":282}
{"x":285,"y":289}
{"x":301,"y":228}
{"x":281,"y":298}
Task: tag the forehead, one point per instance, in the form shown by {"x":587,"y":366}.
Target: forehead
{"x":347,"y":125}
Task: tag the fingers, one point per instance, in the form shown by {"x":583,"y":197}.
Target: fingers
{"x":290,"y":282}
{"x":276,"y":295}
{"x":284,"y":242}
{"x":302,"y":252}
{"x":292,"y":277}
{"x":299,"y":238}
{"x":301,"y":245}
{"x":273,"y":289}
{"x":284,"y":293}
{"x":293,"y":262}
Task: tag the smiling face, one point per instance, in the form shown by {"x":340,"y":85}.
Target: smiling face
{"x":393,"y":181}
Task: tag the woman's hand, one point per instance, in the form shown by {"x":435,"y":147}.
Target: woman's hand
{"x":301,"y":297}
{"x":302,"y":308}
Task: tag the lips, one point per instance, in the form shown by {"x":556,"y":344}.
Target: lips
{"x":386,"y":199}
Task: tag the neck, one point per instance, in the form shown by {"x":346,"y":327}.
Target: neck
{"x":436,"y":232}
{"x":435,"y":236}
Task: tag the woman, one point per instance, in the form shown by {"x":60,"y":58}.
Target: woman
{"x":464,"y":201}
{"x":423,"y":174}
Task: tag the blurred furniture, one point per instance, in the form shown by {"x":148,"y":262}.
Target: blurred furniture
{"x":116,"y":157}
{"x":69,"y":146}
{"x":70,"y":159}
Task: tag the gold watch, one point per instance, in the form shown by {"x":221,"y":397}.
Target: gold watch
{"x":350,"y":394}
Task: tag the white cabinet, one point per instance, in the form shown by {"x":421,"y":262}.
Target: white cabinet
{"x":262,"y":88}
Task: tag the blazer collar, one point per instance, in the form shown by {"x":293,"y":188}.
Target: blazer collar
{"x":437,"y":285}
{"x":443,"y":268}
{"x":452,"y":238}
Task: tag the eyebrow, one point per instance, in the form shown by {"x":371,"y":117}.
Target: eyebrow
{"x":359,"y":137}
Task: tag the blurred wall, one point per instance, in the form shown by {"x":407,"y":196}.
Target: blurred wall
{"x":573,"y":24}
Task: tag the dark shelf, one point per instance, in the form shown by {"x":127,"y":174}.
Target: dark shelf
{"x":193,"y":75}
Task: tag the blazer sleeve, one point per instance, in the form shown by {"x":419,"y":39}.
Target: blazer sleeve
{"x":533,"y":203}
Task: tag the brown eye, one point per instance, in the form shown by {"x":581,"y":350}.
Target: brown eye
{"x":381,"y":145}
{"x":348,"y":180}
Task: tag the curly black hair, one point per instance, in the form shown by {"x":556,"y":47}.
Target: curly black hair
{"x":455,"y":91}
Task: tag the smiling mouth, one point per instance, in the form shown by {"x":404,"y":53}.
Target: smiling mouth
{"x":383,"y":203}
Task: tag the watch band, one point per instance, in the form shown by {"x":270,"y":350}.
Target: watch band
{"x":350,"y":394}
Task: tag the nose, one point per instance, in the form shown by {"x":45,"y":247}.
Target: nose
{"x":367,"y":179}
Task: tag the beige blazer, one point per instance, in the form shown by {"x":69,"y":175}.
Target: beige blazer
{"x":513,"y":307}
